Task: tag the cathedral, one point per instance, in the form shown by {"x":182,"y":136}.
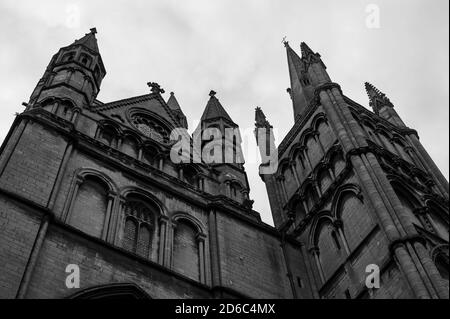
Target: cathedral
{"x":92,"y":204}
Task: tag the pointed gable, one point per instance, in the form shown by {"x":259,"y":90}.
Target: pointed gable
{"x":150,"y":104}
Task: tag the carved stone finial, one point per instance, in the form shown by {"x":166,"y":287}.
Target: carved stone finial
{"x":155,"y":87}
{"x":285,"y":42}
{"x":289,"y":91}
{"x":94,"y":30}
{"x":212,"y":93}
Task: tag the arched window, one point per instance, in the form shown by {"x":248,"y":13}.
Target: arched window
{"x":387,"y":142}
{"x":338,"y":163}
{"x":69,"y":56}
{"x":324,"y":180}
{"x":90,"y":205}
{"x":186,"y":250}
{"x":85,"y":59}
{"x":108,"y":135}
{"x":440,"y":225}
{"x":64,"y":110}
{"x":149,"y":155}
{"x":326,"y":135}
{"x":289,"y":179}
{"x":314,"y":151}
{"x":299,"y":210}
{"x":370,"y":130}
{"x":409,"y":204}
{"x":310,"y":197}
{"x":401,"y":149}
{"x":130,"y":146}
{"x":330,"y":252}
{"x":300,"y":165}
{"x":115,"y":291}
{"x":442,"y":263}
{"x":356,"y":221}
{"x":139,"y":228}
{"x":97,"y":72}
{"x":235,"y":191}
{"x":190,"y":175}
{"x":150,"y":128}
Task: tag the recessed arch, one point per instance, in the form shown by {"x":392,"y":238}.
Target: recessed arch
{"x":340,"y":192}
{"x":132,"y":191}
{"x":85,"y":172}
{"x":197,"y":224}
{"x":112,"y":291}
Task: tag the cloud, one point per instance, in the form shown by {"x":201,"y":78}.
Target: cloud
{"x":234,"y":47}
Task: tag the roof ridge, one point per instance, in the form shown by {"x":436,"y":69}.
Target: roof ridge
{"x":125,"y":101}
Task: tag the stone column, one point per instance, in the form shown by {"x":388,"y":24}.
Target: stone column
{"x":216,"y":276}
{"x":109,"y":207}
{"x":68,"y":212}
{"x":202,"y":260}
{"x":315,"y":253}
{"x":338,"y":225}
{"x":163,"y":234}
{"x":292,"y":165}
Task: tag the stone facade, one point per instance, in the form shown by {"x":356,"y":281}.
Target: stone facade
{"x":92,"y":184}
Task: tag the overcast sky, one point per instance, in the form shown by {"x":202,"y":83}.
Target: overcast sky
{"x":234,"y":47}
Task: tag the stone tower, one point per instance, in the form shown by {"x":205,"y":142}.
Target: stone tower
{"x":93,"y":206}
{"x":89,"y":188}
{"x":357,"y":188}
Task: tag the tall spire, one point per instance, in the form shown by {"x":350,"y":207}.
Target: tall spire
{"x":265,"y":141}
{"x":173,"y":103}
{"x":300,"y":91}
{"x":377,"y":98}
{"x":382,"y":106}
{"x":56,"y":81}
{"x":260,"y":118}
{"x":306,"y":50}
{"x":176,"y":110}
{"x":306,"y":73}
{"x":215,"y":110}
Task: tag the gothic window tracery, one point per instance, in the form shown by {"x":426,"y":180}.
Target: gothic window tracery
{"x":139,"y":228}
{"x":150,"y":128}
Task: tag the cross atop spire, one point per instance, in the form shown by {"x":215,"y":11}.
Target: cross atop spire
{"x":155,"y":88}
{"x":89,"y":40}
